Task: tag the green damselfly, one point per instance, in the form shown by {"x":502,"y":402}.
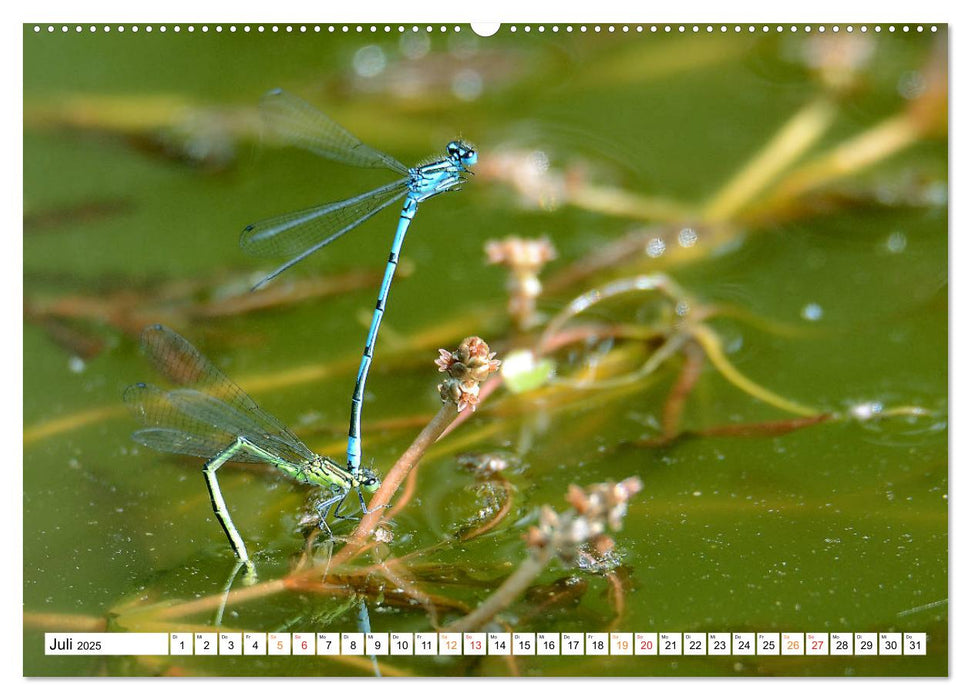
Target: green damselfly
{"x":209,"y":416}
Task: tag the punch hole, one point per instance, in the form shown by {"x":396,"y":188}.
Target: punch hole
{"x":485,"y":28}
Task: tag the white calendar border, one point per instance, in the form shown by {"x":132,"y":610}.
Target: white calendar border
{"x":509,"y":10}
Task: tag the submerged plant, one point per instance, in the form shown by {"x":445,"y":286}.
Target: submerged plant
{"x":577,"y":537}
{"x":525,"y":259}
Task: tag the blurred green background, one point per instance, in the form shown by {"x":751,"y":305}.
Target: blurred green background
{"x":142,"y":163}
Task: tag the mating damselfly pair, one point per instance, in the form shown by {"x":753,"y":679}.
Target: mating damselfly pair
{"x":211,"y":417}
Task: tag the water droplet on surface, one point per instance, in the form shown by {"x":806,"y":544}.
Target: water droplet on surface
{"x":415,"y":45}
{"x":369,"y":61}
{"x":911,"y":85}
{"x":896,"y":242}
{"x":467,"y":85}
{"x":812,"y":312}
{"x":655,"y":248}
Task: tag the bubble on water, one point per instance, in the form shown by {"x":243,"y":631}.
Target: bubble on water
{"x":911,"y":85}
{"x":866,"y":410}
{"x":687,"y":237}
{"x":655,"y":248}
{"x":415,"y":45}
{"x":467,"y":85}
{"x":812,"y":312}
{"x":935,"y":194}
{"x":539,"y":161}
{"x":733,"y":344}
{"x":370,"y":61}
{"x":896,"y":242}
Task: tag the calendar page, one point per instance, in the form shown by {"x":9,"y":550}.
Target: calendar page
{"x":514,"y":350}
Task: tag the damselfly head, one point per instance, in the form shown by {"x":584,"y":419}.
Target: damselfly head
{"x":368,"y":481}
{"x":462,"y":153}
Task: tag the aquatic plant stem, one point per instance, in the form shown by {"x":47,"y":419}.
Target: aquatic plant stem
{"x":792,"y":141}
{"x":394,"y":478}
{"x":500,"y":514}
{"x":503,"y":596}
{"x":617,"y":598}
{"x":694,"y":362}
{"x":713,"y":348}
{"x":857,"y":153}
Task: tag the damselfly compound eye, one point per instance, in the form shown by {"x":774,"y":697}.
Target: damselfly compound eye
{"x":462,"y":152}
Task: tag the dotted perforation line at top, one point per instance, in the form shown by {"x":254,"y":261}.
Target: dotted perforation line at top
{"x":512,"y":29}
{"x":245,"y":28}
